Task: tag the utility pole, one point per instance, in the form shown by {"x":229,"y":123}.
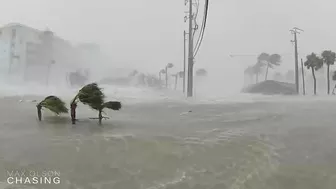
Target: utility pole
{"x":184,"y":60}
{"x":303,"y":80}
{"x":296,"y":31}
{"x":191,"y":51}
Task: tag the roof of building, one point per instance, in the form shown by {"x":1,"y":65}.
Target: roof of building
{"x":11,"y":25}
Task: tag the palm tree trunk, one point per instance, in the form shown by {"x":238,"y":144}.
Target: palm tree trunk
{"x":328,"y":78}
{"x":176,"y":77}
{"x":100,"y":116}
{"x":39,"y":112}
{"x":257,"y":78}
{"x":266,"y":71}
{"x":73,"y":107}
{"x":313,"y":73}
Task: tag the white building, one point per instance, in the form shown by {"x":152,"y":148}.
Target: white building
{"x":31,"y":55}
{"x":28,"y":54}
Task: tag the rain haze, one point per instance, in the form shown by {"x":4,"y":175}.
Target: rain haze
{"x":147,"y":34}
{"x":246,"y":123}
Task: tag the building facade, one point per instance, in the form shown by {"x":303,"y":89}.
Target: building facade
{"x":31,"y":55}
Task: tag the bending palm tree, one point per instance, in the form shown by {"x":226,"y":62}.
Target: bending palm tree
{"x":53,"y":104}
{"x":314,"y":63}
{"x":329,"y":58}
{"x":270,"y":61}
{"x":92,"y":96}
{"x":257,"y":68}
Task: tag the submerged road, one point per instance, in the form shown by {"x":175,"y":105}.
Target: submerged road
{"x":258,"y":145}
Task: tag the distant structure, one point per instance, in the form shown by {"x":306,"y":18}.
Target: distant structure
{"x":29,"y":54}
{"x":33,"y":55}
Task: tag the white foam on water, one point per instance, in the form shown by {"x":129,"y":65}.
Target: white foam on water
{"x":133,"y":94}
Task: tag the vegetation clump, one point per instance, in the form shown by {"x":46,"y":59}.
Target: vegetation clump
{"x":52,"y":103}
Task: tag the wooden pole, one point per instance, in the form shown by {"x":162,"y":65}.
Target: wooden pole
{"x":184,"y":61}
{"x":191,"y":51}
{"x":303,"y":79}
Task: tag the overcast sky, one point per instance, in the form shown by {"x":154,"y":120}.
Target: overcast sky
{"x":149,"y":33}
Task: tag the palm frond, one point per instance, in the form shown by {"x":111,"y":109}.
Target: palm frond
{"x":181,"y":74}
{"x":113,"y":105}
{"x":170,"y":65}
{"x":274,"y":59}
{"x":328,"y":57}
{"x":201,"y":72}
{"x":54,"y":104}
{"x":263,"y":57}
{"x":92,"y":96}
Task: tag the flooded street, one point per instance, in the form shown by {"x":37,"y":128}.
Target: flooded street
{"x":170,"y":145}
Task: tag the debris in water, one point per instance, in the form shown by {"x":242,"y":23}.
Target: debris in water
{"x":184,"y":113}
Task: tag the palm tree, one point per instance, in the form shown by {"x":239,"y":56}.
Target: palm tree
{"x":201,"y":72}
{"x":270,"y":61}
{"x":329,"y":58}
{"x":168,"y":66}
{"x":133,"y":73}
{"x":314,"y":63}
{"x":257,"y":68}
{"x":93,"y":96}
{"x":53,"y":104}
{"x":163,"y":71}
{"x":179,"y":74}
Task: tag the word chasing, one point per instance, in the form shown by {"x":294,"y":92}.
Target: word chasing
{"x":33,"y":177}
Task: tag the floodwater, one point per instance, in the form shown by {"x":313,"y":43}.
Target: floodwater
{"x":275,"y":143}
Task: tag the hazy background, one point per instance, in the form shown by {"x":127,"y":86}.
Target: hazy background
{"x":148,"y":34}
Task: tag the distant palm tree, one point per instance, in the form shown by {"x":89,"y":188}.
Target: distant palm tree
{"x":314,"y":63}
{"x":177,"y":75}
{"x":257,"y":68}
{"x":168,"y":66}
{"x":133,"y":73}
{"x":329,"y":58}
{"x":270,"y":61}
{"x":163,"y":71}
{"x":201,"y":72}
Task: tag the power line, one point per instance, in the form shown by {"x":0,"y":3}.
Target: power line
{"x":195,"y":18}
{"x":203,"y":28}
{"x":200,"y":35}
